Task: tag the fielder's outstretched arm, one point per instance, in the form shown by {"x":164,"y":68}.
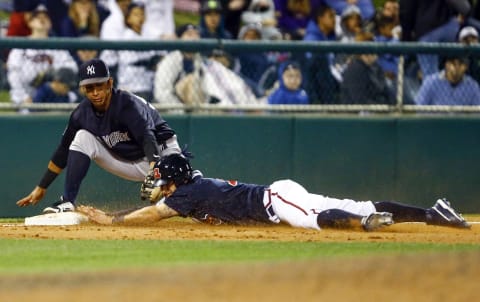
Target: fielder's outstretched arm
{"x":144,"y":215}
{"x":39,"y":191}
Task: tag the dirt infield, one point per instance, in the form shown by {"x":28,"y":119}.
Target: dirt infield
{"x":419,"y":277}
{"x":177,"y":228}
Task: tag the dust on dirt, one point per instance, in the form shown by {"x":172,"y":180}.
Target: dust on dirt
{"x":410,"y":277}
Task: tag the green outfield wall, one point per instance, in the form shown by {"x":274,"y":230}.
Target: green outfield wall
{"x":415,"y":159}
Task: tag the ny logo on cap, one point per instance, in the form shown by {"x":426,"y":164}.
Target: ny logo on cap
{"x":91,"y":70}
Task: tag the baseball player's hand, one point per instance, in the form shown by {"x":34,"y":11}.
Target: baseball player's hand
{"x":35,"y":196}
{"x":95,"y":215}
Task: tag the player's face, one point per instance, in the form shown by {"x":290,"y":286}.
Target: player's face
{"x":99,"y":94}
{"x":168,"y":189}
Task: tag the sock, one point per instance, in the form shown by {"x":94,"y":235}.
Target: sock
{"x":77,"y":167}
{"x":402,"y":212}
{"x":338,"y":219}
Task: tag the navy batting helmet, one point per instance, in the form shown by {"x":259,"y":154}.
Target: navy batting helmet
{"x":174,"y":167}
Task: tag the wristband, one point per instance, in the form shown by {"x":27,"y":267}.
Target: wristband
{"x":47,"y":179}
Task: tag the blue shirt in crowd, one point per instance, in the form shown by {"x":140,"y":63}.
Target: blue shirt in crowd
{"x":45,"y":94}
{"x":283,"y":95}
{"x":437,"y":90}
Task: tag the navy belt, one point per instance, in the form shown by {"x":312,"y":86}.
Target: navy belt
{"x":267,"y":203}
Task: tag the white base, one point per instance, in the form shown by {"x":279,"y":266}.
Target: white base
{"x":66,"y":218}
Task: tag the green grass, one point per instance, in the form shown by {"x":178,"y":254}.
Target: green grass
{"x":36,"y":255}
{"x":4,"y":96}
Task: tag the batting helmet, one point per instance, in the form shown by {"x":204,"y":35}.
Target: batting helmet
{"x":174,"y":167}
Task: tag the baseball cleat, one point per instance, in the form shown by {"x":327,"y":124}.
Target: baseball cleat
{"x":443,"y":214}
{"x":60,"y":206}
{"x":376,"y":220}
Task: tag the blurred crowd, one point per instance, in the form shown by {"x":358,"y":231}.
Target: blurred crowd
{"x":274,"y":77}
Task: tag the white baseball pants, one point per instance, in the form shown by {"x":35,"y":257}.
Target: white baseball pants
{"x":90,"y":145}
{"x":293,"y":204}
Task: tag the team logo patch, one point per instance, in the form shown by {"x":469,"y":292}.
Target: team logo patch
{"x":233,"y":183}
{"x":156,"y":173}
{"x":91,"y":70}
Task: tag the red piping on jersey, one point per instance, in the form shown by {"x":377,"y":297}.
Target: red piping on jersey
{"x":269,"y":198}
{"x":290,"y":203}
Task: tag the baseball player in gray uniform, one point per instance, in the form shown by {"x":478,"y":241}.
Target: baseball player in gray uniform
{"x":118,"y":130}
{"x":188,"y":194}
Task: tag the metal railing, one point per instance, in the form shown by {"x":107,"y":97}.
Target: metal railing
{"x":234,"y":46}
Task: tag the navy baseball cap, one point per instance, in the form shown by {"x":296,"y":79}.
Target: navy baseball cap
{"x":93,"y":71}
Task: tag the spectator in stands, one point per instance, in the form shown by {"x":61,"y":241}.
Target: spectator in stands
{"x":114,"y":25}
{"x":226,"y":59}
{"x":367,"y":10}
{"x":232,"y":12}
{"x":321,"y":85}
{"x":263,"y":12}
{"x":385,"y":33}
{"x":57,"y":10}
{"x":113,"y":28}
{"x":136,"y":69}
{"x":293,"y":16}
{"x":322,"y":25}
{"x":83,"y":55}
{"x":212,"y":22}
{"x":61,"y":88}
{"x":26,"y":68}
{"x":391,"y":9}
{"x":82,"y":19}
{"x":430,"y":21}
{"x":191,"y":79}
{"x":17,"y":23}
{"x":469,"y":36}
{"x":159,"y":21}
{"x":290,"y":89}
{"x":253,"y":65}
{"x":363,"y":80}
{"x":451,"y":86}
{"x":350,"y":26}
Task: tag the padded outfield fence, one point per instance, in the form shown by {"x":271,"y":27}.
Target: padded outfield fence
{"x":378,"y":151}
{"x":405,"y":158}
{"x":295,"y":49}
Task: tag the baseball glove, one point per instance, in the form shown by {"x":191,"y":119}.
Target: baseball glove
{"x":148,"y":190}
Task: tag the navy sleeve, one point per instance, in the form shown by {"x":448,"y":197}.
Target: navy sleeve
{"x":181,"y":203}
{"x":142,"y":126}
